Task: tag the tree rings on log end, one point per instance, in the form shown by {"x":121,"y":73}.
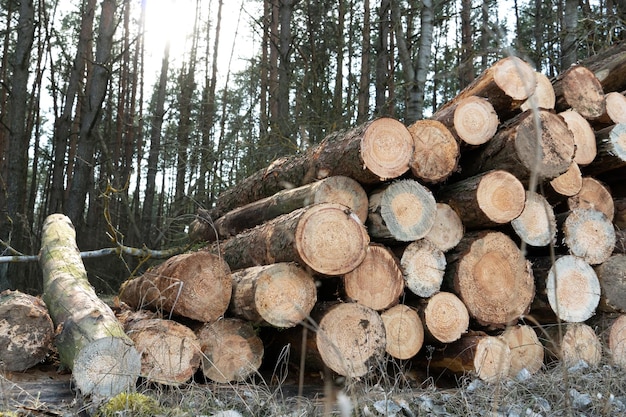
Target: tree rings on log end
{"x":500,"y":196}
{"x":446,"y":317}
{"x":612,"y":276}
{"x":492,"y":360}
{"x":580,"y":342}
{"x":515,"y":77}
{"x":616,"y":107}
{"x":580,"y":89}
{"x":543,"y":97}
{"x":386,"y":148}
{"x":331,"y":239}
{"x":404,"y":331}
{"x":569,"y":183}
{"x":527,"y":352}
{"x":436,"y":151}
{"x":573,"y":289}
{"x":593,"y":195}
{"x":617,"y":341}
{"x":589,"y":234}
{"x":475,"y":120}
{"x":584,"y":137}
{"x":536,"y":226}
{"x":351,"y":339}
{"x":343,"y":190}
{"x":423,"y":266}
{"x":448,"y":230}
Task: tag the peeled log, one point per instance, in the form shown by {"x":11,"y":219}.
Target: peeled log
{"x":280,"y":295}
{"x":404,"y":331}
{"x":527,"y":352}
{"x":91,"y":341}
{"x":436,"y":151}
{"x":578,"y":88}
{"x":445,"y":317}
{"x":536,"y":226}
{"x":617,"y":341}
{"x":26,"y":331}
{"x":593,"y":195}
{"x":612,"y":277}
{"x":589,"y":234}
{"x":423,"y":267}
{"x":231,"y":350}
{"x":194,"y":285}
{"x":584,"y":137}
{"x":491,"y":276}
{"x":402,"y":211}
{"x":487,"y":199}
{"x":326,"y":237}
{"x":337,"y":189}
{"x":377,"y":282}
{"x":448,"y":230}
{"x":472,"y":120}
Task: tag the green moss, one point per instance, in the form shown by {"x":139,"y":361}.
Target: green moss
{"x":133,"y":404}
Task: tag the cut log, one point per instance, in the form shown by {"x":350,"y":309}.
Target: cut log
{"x":609,"y":67}
{"x":593,"y":194}
{"x":231,"y":350}
{"x":573,"y":343}
{"x":536,"y":226}
{"x":436,"y":152}
{"x":514,"y":148}
{"x":404,"y":331}
{"x":611,"y":143}
{"x":195,"y":285}
{"x":423,"y":267}
{"x":612,"y":277}
{"x":350,"y":338}
{"x":448,"y":230}
{"x":578,"y":88}
{"x":568,"y":183}
{"x":619,"y":220}
{"x":445,"y":317}
{"x":589,"y":234}
{"x":326,"y":237}
{"x":527,"y":352}
{"x":403,"y":210}
{"x":584,"y":137}
{"x":170,"y":351}
{"x":615,"y":110}
{"x":26,"y":331}
{"x":377,"y":282}
{"x":487,"y":199}
{"x":280,"y":295}
{"x":337,"y":189}
{"x":491,"y":276}
{"x":472,"y":120}
{"x":488,"y":357}
{"x":91,"y":342}
{"x":617,"y":341}
{"x":543,"y":97}
{"x":369,"y":153}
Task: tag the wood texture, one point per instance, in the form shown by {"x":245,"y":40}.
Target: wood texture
{"x":569,"y":183}
{"x":611,"y":143}
{"x":589,"y":234}
{"x":472,"y":120}
{"x":578,"y":88}
{"x":593,"y":194}
{"x":617,"y":341}
{"x":423,"y":267}
{"x":436,"y":151}
{"x":574,"y":342}
{"x":527,"y":352}
{"x":612,"y":277}
{"x":543,"y":97}
{"x":404,"y":332}
{"x":448,"y":229}
{"x":584,"y":137}
{"x":445,"y":317}
{"x":536,"y":225}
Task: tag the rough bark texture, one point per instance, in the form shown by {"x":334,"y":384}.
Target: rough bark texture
{"x":527,"y":352}
{"x":611,"y":143}
{"x":436,"y":151}
{"x":536,"y":226}
{"x":195,"y":285}
{"x":423,"y":267}
{"x":589,"y":234}
{"x":579,"y":89}
{"x":448,"y":229}
{"x":404,"y":331}
{"x":612,"y":277}
{"x":91,"y":342}
{"x":609,"y":67}
{"x":445,"y":317}
{"x":472,"y":120}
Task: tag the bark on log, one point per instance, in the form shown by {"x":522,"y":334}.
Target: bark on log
{"x":491,"y":276}
{"x":472,"y":120}
{"x":487,"y":199}
{"x":593,"y":194}
{"x":573,"y":343}
{"x":527,"y":352}
{"x":619,"y":220}
{"x":436,"y":152}
{"x":445,"y":317}
{"x":543,"y":97}
{"x":568,"y":183}
{"x":26,"y":331}
{"x":231,"y":350}
{"x":280,"y":295}
{"x":514,"y":148}
{"x":609,"y":67}
{"x":584,"y":137}
{"x":617,"y":341}
{"x":536,"y":226}
{"x":170,"y":351}
{"x":611,"y":143}
{"x":578,"y":88}
{"x":448,"y":230}
{"x":402,"y":211}
{"x":377,"y":282}
{"x":91,"y":342}
{"x":369,"y":153}
{"x":612,"y":277}
{"x":326,"y":237}
{"x":404,"y":331}
{"x":423,"y":267}
{"x":336,"y":189}
{"x":195,"y":285}
{"x":589,"y":234}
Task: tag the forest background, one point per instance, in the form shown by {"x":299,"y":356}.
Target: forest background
{"x":90,"y":127}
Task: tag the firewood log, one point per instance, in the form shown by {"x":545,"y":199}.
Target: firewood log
{"x":536,"y":226}
{"x":609,"y":67}
{"x":612,"y":277}
{"x":195,"y":285}
{"x":90,"y":340}
{"x":527,"y":352}
{"x":584,"y":137}
{"x":572,"y":343}
{"x":566,"y":184}
{"x":404,"y":331}
{"x":445,"y":317}
{"x":617,"y":341}
{"x":326,"y":237}
{"x":436,"y":152}
{"x":231,"y":350}
{"x":615,"y":112}
{"x":578,"y":88}
{"x":472,"y":120}
{"x":26,"y":331}
{"x":403,"y":211}
{"x":448,"y":229}
{"x":423,"y":266}
{"x":543,"y":96}
{"x":491,"y":276}
{"x":336,"y":189}
{"x":281,"y":294}
{"x":611,"y":143}
{"x":595,"y":195}
{"x":589,"y":234}
{"x":487,"y":199}
{"x":377,"y":282}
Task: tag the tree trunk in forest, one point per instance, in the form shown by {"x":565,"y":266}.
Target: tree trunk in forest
{"x":448,"y":229}
{"x":401,"y":211}
{"x":543,"y":97}
{"x":584,"y":137}
{"x":280,"y":295}
{"x":423,"y":59}
{"x":536,"y":225}
{"x":466,"y":60}
{"x":324,"y":237}
{"x":91,"y":342}
{"x":404,"y":332}
{"x":612,"y":277}
{"x":527,"y":352}
{"x":336,"y":189}
{"x":617,"y":341}
{"x":195,"y":285}
{"x":376,"y":282}
{"x":593,"y":194}
{"x":26,"y":331}
{"x":569,"y":44}
{"x":436,"y":151}
{"x":611,"y":143}
{"x":573,"y":343}
{"x":364,"y":82}
{"x":589,"y":234}
{"x":445,"y":317}
{"x":423,"y":267}
{"x":579,"y":89}
{"x":383,"y":59}
{"x":472,"y":120}
{"x":231,"y":350}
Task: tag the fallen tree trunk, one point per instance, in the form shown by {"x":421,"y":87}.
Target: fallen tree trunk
{"x":195,"y":285}
{"x":26,"y":331}
{"x":578,"y":88}
{"x":404,"y":332}
{"x":609,"y":67}
{"x":436,"y":152}
{"x":472,"y":120}
{"x":91,"y":342}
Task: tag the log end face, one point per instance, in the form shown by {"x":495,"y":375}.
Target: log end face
{"x":580,"y":342}
{"x":501,"y":196}
{"x":536,"y":226}
{"x":570,"y":182}
{"x":492,"y":361}
{"x":408,"y":210}
{"x":404,"y":331}
{"x":345,"y":191}
{"x":386,"y":148}
{"x":475,"y":120}
{"x":617,"y":341}
{"x":436,"y":151}
{"x":445,"y":317}
{"x":589,"y":234}
{"x":515,"y":77}
{"x":423,"y":267}
{"x":584,"y":137}
{"x":583,"y":91}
